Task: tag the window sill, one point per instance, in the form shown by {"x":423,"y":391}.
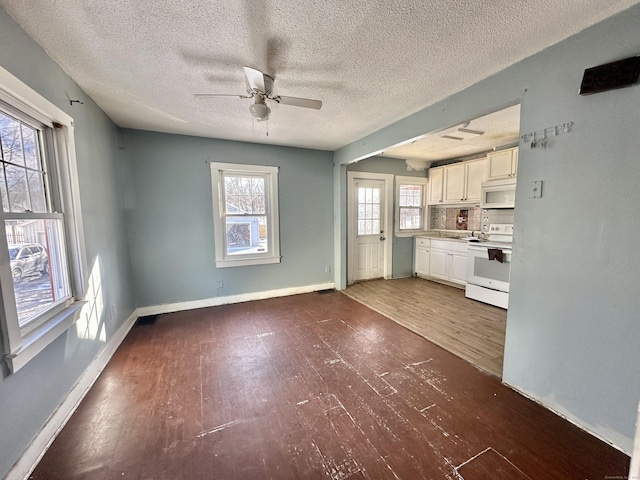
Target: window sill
{"x":37,"y":340}
{"x":246,"y":262}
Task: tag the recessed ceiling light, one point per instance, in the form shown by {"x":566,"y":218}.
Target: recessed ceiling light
{"x":468,"y":133}
{"x":463,"y":134}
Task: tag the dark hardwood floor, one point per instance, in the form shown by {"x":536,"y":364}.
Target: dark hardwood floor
{"x":313,"y":386}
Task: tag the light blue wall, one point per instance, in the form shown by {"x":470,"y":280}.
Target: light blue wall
{"x":30,"y":396}
{"x":574,"y":312}
{"x":402,"y":251}
{"x":170,"y":223}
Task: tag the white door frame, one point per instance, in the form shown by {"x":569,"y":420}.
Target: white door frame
{"x":352,"y":177}
{"x":634,"y":468}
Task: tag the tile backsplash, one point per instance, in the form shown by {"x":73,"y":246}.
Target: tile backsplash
{"x":455,"y":218}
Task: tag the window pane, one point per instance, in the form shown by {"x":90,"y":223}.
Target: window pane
{"x":410,"y":218}
{"x":244,"y":194}
{"x":368,"y":214}
{"x":258,"y":204}
{"x":410,"y":195}
{"x":37,"y":256}
{"x":246,"y":234}
{"x":11,"y":137}
{"x":3,"y":190}
{"x":30,"y":147}
{"x":368,"y":211}
{"x":36,"y":189}
{"x":18,"y":190}
{"x":22,"y":179}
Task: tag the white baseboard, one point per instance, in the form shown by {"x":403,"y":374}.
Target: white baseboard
{"x":634,"y":468}
{"x":571,"y":419}
{"x":45,"y":437}
{"x":243,"y":297}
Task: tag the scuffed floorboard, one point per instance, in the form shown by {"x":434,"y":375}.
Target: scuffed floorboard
{"x":309,"y":387}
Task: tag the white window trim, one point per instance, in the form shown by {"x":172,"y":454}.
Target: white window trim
{"x":273,"y":256}
{"x":19,"y":347}
{"x":400,"y":180}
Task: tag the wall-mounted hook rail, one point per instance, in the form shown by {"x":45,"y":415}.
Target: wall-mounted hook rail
{"x":539,"y":138}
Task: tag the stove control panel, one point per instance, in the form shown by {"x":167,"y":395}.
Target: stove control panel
{"x":501,"y":229}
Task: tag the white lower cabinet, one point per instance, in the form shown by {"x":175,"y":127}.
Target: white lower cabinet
{"x":421,"y":257}
{"x":458,"y":271}
{"x":448,"y":261}
{"x":438,"y":264}
{"x":444,"y":260}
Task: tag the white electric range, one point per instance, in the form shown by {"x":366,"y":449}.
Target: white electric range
{"x":489,"y":266}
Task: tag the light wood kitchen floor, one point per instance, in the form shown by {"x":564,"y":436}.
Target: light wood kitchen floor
{"x":469,"y":329}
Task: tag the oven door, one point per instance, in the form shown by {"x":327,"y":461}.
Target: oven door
{"x":488,"y":273}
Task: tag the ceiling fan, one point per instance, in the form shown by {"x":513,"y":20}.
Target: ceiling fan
{"x":260,"y":88}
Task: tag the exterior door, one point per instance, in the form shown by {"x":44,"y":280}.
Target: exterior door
{"x":370,"y":234}
{"x":368,"y":230}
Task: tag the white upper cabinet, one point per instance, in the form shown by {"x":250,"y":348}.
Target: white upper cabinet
{"x":436,"y":182}
{"x":462,"y":181}
{"x":502,"y":164}
{"x":476,"y":173}
{"x":454,"y":183}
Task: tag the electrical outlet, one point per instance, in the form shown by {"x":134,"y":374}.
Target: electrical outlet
{"x":219,"y":283}
{"x":327,"y":269}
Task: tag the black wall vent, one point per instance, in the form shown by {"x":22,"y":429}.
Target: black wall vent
{"x":146,"y":320}
{"x":620,"y":74}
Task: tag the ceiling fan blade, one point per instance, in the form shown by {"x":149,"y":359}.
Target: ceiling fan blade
{"x":255,"y":79}
{"x":211,"y":95}
{"x":299,"y":102}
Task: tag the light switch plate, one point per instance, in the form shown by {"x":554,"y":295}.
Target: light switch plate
{"x":535,"y":189}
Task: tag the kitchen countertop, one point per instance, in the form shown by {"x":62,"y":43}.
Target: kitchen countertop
{"x":485,"y":243}
{"x":441,"y":237}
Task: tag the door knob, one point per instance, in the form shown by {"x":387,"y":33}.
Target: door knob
{"x":382,"y":238}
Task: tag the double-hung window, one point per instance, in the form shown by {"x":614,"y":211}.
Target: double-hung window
{"x":41,"y":257}
{"x":245,"y":214}
{"x":410,"y":205}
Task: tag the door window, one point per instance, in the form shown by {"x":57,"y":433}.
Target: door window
{"x":368,"y":211}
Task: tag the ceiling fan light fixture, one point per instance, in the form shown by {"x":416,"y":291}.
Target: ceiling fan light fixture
{"x":260,"y":110}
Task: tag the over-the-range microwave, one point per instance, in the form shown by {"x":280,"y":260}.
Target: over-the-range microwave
{"x":499,"y":193}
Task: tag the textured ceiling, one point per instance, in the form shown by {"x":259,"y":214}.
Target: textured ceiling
{"x":370,"y":62}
